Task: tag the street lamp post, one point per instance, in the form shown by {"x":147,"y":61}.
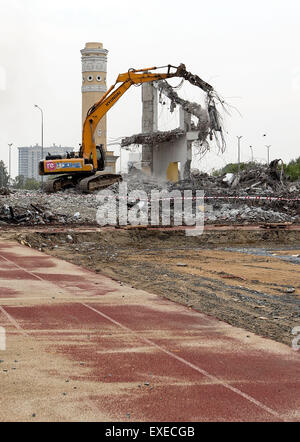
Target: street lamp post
{"x":239,"y":151}
{"x":42,"y":135}
{"x":268,"y":147}
{"x":9,"y":162}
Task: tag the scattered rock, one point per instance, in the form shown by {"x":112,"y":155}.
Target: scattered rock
{"x":290,"y":290}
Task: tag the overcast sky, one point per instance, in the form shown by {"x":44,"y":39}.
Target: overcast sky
{"x":249,"y":52}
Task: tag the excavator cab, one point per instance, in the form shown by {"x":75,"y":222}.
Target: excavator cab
{"x":100,"y":157}
{"x":100,"y":152}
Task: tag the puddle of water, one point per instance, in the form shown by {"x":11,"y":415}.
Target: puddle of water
{"x":261,"y":251}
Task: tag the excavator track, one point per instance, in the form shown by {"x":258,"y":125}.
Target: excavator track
{"x":98,"y":181}
{"x":56,"y":184}
{"x":86,"y":184}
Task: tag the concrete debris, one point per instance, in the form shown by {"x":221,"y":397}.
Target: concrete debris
{"x":256,"y":179}
{"x":223,"y":210}
{"x":195,"y":80}
{"x":203,"y":126}
{"x":21,"y":207}
{"x":4,"y":191}
{"x":21,"y":214}
{"x":152,"y":138}
{"x":229,"y":178}
{"x":209,"y":120}
{"x":193,"y":108}
{"x":290,"y":290}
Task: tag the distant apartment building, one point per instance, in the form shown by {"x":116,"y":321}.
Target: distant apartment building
{"x":29,"y":158}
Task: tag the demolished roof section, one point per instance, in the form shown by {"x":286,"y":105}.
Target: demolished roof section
{"x":152,"y":138}
{"x":195,"y":109}
{"x":209,"y":121}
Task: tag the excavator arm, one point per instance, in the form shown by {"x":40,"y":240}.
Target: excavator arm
{"x":132,"y":77}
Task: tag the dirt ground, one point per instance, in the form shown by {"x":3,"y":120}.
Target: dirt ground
{"x":255,"y":286}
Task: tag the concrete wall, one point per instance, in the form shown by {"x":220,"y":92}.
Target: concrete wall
{"x":161,"y":160}
{"x":176,"y":151}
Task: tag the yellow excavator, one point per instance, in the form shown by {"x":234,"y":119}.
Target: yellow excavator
{"x":86,"y":169}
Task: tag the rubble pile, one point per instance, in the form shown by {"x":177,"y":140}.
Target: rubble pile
{"x":255,"y":180}
{"x":222,"y":204}
{"x":245,"y":214}
{"x":257,"y":195}
{"x":22,"y":207}
{"x":4,"y":191}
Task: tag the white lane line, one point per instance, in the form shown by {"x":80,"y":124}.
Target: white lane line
{"x":9,"y":317}
{"x":189,"y":364}
{"x":200,"y":370}
{"x":21,"y":268}
{"x":13,"y":321}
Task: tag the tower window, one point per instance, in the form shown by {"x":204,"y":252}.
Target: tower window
{"x":98,"y":78}
{"x":90,"y":78}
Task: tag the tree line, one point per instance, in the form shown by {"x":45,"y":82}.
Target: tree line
{"x":20,"y":182}
{"x":292,"y":169}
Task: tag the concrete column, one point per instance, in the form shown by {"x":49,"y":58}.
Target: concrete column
{"x":185,"y":120}
{"x":149,"y":122}
{"x":185,"y":123}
